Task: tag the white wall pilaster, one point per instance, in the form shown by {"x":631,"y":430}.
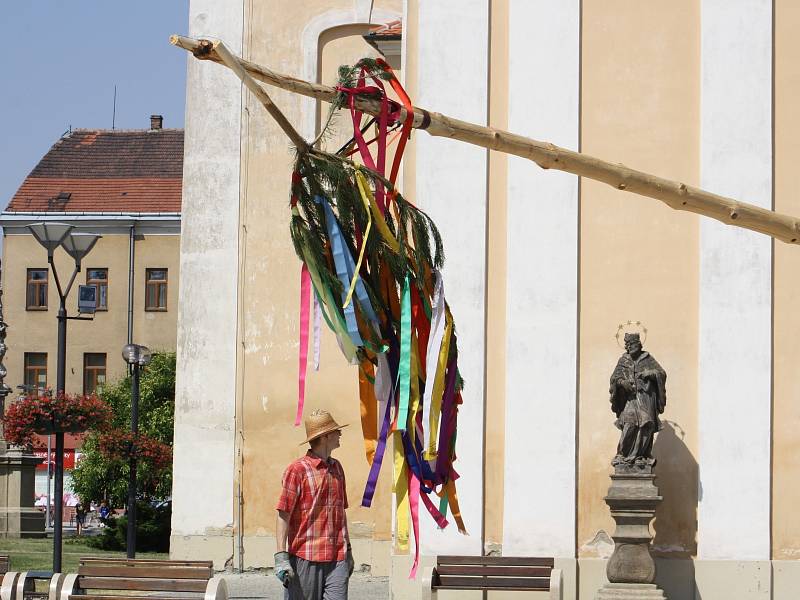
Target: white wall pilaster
{"x":735,"y":284}
{"x":207,"y":318}
{"x":542,"y":292}
{"x":451,"y":186}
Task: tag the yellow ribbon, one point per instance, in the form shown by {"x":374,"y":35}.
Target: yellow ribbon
{"x":383,"y":228}
{"x":363,"y":187}
{"x":401,"y":495}
{"x":438,"y":389}
{"x":369,"y":407}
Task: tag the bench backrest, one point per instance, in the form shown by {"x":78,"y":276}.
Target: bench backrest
{"x":492,"y":573}
{"x":144,"y":575}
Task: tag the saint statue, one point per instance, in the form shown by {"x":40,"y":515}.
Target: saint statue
{"x":638,"y":396}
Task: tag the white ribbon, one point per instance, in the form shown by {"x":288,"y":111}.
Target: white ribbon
{"x":432,"y":355}
{"x":383,"y":387}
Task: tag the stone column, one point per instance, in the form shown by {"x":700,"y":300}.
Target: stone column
{"x":632,"y":498}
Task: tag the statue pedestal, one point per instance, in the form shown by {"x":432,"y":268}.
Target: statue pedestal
{"x":632,"y":591}
{"x":19,"y":518}
{"x":632,"y":498}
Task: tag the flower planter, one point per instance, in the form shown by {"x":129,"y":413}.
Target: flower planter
{"x":46,"y":415}
{"x":122,"y":445}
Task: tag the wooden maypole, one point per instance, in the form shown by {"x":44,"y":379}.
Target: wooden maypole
{"x":674,"y":194}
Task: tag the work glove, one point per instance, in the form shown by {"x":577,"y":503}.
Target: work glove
{"x":283,"y":569}
{"x":351,"y":564}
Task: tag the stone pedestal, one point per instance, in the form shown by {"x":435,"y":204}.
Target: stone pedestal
{"x":632,"y":498}
{"x":18,"y":516}
{"x":630,"y":591}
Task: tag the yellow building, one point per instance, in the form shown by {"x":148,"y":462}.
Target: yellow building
{"x":542,"y":268}
{"x":126,"y":186}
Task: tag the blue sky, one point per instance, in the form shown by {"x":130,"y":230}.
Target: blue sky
{"x":61,"y":61}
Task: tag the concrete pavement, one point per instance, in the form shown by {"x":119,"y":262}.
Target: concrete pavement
{"x":263,"y":584}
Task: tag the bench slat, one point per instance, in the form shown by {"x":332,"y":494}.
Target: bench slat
{"x":493,"y":571}
{"x":157,"y":572}
{"x":144,"y":562}
{"x":128,"y":597}
{"x":511,"y":561}
{"x":142,"y":584}
{"x":492,"y":583}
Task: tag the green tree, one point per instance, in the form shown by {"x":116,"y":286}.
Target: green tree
{"x":99,"y":478}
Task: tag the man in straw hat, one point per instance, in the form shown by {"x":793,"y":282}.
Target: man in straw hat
{"x":317,"y":561}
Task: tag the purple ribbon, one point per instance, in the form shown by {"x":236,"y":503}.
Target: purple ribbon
{"x":448,"y":422}
{"x":377,"y":460}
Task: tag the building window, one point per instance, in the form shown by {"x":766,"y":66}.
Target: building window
{"x":36,"y":372}
{"x":94,"y":372}
{"x":99,"y":279}
{"x":155,"y":295}
{"x":36,"y":296}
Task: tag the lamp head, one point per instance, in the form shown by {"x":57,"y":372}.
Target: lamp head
{"x":79,"y":245}
{"x":134,"y":354}
{"x":50,"y":235}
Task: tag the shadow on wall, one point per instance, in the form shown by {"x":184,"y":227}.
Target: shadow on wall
{"x":675,"y":525}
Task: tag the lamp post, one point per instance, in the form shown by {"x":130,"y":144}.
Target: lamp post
{"x":77,"y":245}
{"x":137,"y":357}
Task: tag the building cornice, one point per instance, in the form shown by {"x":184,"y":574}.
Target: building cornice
{"x":153,"y":223}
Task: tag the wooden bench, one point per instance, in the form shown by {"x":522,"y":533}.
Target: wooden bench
{"x":18,"y":585}
{"x":22,"y":585}
{"x":134,"y":579}
{"x":492,"y":573}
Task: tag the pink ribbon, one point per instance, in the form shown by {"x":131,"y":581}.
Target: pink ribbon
{"x":413,"y":498}
{"x":305,"y":310}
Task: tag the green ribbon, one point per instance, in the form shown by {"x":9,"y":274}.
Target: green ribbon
{"x":404,"y":372}
{"x":443,"y":504}
{"x":335,"y":321}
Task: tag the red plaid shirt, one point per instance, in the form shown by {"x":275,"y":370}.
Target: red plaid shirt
{"x":315,"y":496}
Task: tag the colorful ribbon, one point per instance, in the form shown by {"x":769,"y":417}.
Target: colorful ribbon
{"x":435,"y":374}
{"x":401,"y":494}
{"x":362,"y":187}
{"x":305,"y":301}
{"x":406,"y":350}
{"x":404,"y":374}
{"x":317,"y":333}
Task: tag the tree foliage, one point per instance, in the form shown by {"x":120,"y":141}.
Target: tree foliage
{"x":98,"y":477}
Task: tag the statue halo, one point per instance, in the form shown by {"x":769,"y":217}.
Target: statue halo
{"x":630,"y":327}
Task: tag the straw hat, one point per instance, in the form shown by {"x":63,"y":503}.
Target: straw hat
{"x":318,"y":423}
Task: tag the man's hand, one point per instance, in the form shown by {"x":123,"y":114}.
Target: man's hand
{"x":351,"y":564}
{"x":283,"y":569}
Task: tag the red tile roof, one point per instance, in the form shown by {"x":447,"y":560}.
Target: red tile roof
{"x":101,"y":170}
{"x":392,"y":29}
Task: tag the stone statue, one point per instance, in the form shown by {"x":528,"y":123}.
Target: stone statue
{"x":638,"y":396}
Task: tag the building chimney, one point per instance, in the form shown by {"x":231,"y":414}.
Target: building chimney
{"x":156,"y":121}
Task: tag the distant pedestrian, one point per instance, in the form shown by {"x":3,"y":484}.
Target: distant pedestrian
{"x":80,"y":517}
{"x":105,"y":511}
{"x":314,"y":558}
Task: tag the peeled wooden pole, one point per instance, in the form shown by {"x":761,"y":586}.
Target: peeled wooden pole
{"x":674,"y":194}
{"x":234,"y":64}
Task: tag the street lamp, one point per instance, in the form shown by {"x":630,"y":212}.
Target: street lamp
{"x":77,"y":245}
{"x":137,"y":357}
